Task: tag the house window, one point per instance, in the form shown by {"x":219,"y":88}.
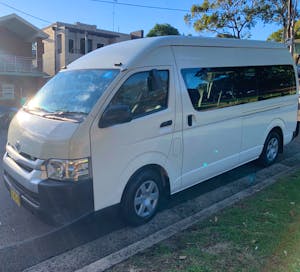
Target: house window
{"x":7,"y":92}
{"x":90,"y":45}
{"x":59,"y":43}
{"x":71,"y":46}
{"x":82,"y":46}
{"x":99,"y":45}
{"x":34,"y":49}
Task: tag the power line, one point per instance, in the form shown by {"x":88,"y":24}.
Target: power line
{"x":23,"y":12}
{"x":140,"y":6}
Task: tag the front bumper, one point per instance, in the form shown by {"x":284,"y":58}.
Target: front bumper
{"x":57,"y":202}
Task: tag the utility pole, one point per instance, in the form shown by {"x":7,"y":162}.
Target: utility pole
{"x":292,"y":10}
{"x":114,"y":6}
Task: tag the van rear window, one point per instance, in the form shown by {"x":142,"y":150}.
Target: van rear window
{"x":211,"y":88}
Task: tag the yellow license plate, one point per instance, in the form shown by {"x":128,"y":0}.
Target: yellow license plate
{"x":15,"y":197}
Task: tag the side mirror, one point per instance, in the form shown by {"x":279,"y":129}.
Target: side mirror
{"x":154,"y":81}
{"x":115,"y":114}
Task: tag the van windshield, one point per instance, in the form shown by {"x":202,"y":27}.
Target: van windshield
{"x":71,"y":94}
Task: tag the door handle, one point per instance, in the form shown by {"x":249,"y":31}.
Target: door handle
{"x":166,"y":123}
{"x":190,"y":120}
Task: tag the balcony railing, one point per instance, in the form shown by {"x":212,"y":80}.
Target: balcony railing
{"x":17,"y":64}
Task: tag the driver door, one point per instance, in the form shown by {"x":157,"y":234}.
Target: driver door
{"x":122,"y":148}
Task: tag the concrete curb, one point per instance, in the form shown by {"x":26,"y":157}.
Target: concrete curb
{"x":127,"y":252}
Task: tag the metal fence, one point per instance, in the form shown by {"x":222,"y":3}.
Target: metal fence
{"x":10,"y":63}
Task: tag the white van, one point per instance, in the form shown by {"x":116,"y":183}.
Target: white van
{"x":135,"y":121}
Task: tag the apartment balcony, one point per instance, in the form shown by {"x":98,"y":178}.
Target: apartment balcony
{"x":16,"y":65}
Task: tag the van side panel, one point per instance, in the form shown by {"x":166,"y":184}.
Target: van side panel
{"x":259,"y":121}
{"x":220,"y":139}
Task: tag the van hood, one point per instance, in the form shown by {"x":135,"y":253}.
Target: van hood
{"x":40,"y":137}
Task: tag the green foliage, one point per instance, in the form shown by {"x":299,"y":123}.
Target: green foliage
{"x":278,"y":35}
{"x":277,"y":11}
{"x":227,"y":18}
{"x":163,"y":30}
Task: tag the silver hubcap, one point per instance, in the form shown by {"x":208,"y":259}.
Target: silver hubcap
{"x":146,"y":198}
{"x":272,"y":149}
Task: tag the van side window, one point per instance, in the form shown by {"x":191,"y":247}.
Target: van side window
{"x":138,"y":93}
{"x":211,"y":88}
{"x":276,"y":81}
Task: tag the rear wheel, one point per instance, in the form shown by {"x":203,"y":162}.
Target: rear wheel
{"x":271,"y":149}
{"x":142,"y":197}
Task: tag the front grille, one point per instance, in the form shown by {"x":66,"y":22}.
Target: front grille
{"x":22,"y":165}
{"x":28,"y":157}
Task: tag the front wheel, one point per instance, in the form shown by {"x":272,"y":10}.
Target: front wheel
{"x":142,"y":197}
{"x":271,"y":149}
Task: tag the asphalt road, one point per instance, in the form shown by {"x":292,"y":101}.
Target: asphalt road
{"x":25,"y":240}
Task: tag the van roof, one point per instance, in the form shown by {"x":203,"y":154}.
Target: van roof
{"x":125,"y":54}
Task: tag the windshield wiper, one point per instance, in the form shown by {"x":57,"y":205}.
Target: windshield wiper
{"x":65,"y":115}
{"x":36,"y":110}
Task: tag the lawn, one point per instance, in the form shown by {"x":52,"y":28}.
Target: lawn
{"x":261,"y":233}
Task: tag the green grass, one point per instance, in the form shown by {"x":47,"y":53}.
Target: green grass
{"x":261,"y":233}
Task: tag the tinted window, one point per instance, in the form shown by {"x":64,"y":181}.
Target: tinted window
{"x":276,"y":81}
{"x":90,"y":45}
{"x":71,"y":46}
{"x":137,"y":93}
{"x":59,"y":43}
{"x":211,"y":88}
{"x":82,"y":46}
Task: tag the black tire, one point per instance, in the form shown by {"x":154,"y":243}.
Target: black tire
{"x":132,"y":211}
{"x":271,"y":149}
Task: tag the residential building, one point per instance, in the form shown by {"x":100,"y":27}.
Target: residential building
{"x":68,"y":42}
{"x":20,"y":59}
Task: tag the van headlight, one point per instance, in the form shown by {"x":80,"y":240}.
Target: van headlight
{"x":68,"y":170}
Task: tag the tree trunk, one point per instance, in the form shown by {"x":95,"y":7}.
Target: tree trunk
{"x":291,"y":24}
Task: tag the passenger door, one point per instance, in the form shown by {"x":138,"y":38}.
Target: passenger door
{"x":119,"y":149}
{"x":211,"y":126}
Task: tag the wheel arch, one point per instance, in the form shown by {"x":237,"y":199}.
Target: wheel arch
{"x":158,"y":169}
{"x":277,"y":126}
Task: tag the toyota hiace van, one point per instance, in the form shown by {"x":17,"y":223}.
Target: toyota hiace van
{"x":133,"y":122}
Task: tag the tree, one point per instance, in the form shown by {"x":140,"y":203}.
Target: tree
{"x":285,"y":13}
{"x":277,"y":36}
{"x":277,"y":12}
{"x":227,"y":18}
{"x":163,"y":30}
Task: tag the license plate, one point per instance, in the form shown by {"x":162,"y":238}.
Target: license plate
{"x":15,"y":197}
